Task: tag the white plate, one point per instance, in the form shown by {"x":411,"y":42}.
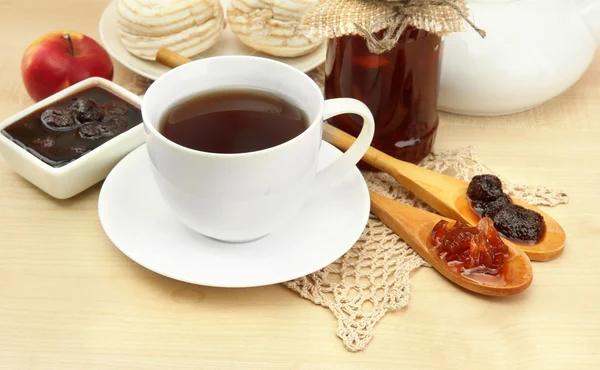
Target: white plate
{"x":138,"y":222}
{"x":228,"y":44}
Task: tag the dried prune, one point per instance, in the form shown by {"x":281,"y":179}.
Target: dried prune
{"x":489,"y":209}
{"x":91,"y":131}
{"x":516,"y":222}
{"x":470,"y":249}
{"x":86,"y":110}
{"x":114,"y":108}
{"x":484,"y":188}
{"x":58,"y":119}
{"x":44,"y":142}
{"x":109,"y":126}
{"x":113,"y":125}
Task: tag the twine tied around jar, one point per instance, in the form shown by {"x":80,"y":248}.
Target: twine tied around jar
{"x":336,"y":18}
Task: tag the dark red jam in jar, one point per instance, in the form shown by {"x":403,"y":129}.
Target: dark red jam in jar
{"x":400,"y":87}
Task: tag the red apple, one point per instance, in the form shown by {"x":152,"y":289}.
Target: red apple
{"x":60,"y":59}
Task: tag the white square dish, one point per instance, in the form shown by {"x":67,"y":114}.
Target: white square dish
{"x":85,"y":171}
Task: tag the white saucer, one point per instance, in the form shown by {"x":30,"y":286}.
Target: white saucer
{"x":228,"y":44}
{"x":138,"y":222}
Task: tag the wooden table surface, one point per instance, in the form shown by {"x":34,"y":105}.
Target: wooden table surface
{"x":70,"y":300}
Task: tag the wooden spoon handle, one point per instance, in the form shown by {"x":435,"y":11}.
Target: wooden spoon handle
{"x":374,"y":157}
{"x":170,"y":58}
{"x":436,"y":189}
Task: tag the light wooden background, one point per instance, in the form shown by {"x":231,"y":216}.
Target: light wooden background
{"x":70,"y":300}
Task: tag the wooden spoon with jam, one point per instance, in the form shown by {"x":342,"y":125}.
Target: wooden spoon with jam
{"x":447,"y":195}
{"x":511,"y":274}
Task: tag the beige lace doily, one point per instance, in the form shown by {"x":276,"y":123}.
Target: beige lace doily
{"x":373,"y":277}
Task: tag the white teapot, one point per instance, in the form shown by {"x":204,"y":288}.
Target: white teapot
{"x":534,"y":50}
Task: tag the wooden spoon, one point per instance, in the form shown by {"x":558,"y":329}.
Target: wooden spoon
{"x":170,"y":58}
{"x":415,"y":226}
{"x":447,"y":195}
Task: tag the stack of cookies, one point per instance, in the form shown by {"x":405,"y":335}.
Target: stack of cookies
{"x":190,"y":27}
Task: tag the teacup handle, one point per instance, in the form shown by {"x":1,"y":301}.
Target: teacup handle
{"x":336,"y":170}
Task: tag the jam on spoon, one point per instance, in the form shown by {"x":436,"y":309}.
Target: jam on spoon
{"x":475,"y":258}
{"x":470,"y":250}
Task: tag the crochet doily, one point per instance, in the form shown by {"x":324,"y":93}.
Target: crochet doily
{"x":373,"y":277}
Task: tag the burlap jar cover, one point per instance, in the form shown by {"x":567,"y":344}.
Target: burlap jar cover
{"x":335,"y":18}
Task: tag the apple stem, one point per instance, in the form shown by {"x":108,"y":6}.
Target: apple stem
{"x":67,"y":37}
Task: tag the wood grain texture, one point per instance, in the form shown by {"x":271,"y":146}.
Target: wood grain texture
{"x":69,"y":300}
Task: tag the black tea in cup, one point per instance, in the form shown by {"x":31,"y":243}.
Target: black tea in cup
{"x":233,"y":121}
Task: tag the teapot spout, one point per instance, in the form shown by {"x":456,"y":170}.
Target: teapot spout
{"x":590,"y":12}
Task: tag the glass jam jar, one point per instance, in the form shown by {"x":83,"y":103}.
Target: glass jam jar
{"x":400,"y":87}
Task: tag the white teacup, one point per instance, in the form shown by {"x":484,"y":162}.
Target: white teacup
{"x":242,"y":197}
